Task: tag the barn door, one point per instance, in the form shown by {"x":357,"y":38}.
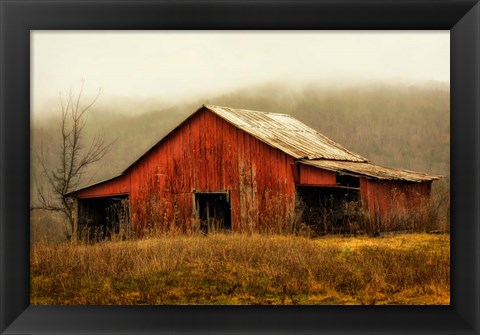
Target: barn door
{"x":213,"y":211}
{"x":328,"y":209}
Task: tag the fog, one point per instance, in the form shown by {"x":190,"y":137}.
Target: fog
{"x":384,"y":95}
{"x":141,"y":71}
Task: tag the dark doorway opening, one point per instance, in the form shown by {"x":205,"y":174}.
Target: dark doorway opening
{"x":348,"y":181}
{"x":102,"y":218}
{"x":328,"y":209}
{"x":213,"y":211}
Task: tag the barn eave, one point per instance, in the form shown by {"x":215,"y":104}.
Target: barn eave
{"x":83,"y":188}
{"x":371,"y":171}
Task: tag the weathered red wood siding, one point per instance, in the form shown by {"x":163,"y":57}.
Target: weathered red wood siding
{"x":310,"y":175}
{"x":116,"y":186}
{"x":207,"y":154}
{"x":387,"y":198}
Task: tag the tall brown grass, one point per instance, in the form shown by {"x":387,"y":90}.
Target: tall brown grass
{"x":244,"y":269}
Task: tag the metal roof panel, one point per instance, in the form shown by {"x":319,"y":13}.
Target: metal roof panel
{"x":286,"y":134}
{"x":370,"y":170}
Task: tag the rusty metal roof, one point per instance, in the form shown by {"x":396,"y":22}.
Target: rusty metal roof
{"x":369,"y":170}
{"x":286,"y":134}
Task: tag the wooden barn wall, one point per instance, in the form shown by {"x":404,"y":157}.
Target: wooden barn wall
{"x":385,"y":198}
{"x":313,"y":176}
{"x":207,"y":154}
{"x":117,"y":186}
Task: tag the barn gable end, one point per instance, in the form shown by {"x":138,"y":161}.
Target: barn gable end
{"x":207,"y":154}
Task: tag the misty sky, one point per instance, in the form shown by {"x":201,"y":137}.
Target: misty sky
{"x":184,"y":65}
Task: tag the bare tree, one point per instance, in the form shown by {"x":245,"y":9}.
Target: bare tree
{"x":73,"y":157}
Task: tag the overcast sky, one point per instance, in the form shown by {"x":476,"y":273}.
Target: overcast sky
{"x":182,"y":65}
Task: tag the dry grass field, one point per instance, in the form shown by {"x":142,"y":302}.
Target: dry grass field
{"x":245,"y":269}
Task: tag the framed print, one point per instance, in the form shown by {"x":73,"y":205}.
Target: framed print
{"x":207,"y":205}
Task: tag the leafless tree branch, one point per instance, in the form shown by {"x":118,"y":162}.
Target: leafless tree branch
{"x":72,"y":157}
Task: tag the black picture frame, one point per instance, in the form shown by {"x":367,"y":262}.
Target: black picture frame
{"x":18,"y":18}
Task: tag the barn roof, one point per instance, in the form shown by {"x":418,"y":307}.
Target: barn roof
{"x":286,"y":133}
{"x":369,"y":170}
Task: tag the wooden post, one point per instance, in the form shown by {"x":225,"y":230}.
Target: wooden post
{"x":208,"y":213}
{"x":74,"y":219}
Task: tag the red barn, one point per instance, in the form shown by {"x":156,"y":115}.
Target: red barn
{"x":243,"y":170}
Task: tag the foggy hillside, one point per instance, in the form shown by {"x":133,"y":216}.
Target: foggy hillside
{"x":398,"y":125}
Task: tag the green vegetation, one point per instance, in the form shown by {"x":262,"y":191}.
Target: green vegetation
{"x":245,"y":269}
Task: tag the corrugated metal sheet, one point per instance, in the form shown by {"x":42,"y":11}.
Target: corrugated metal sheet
{"x":370,"y":170}
{"x":283,"y":132}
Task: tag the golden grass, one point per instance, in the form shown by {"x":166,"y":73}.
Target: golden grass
{"x":245,"y":269}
